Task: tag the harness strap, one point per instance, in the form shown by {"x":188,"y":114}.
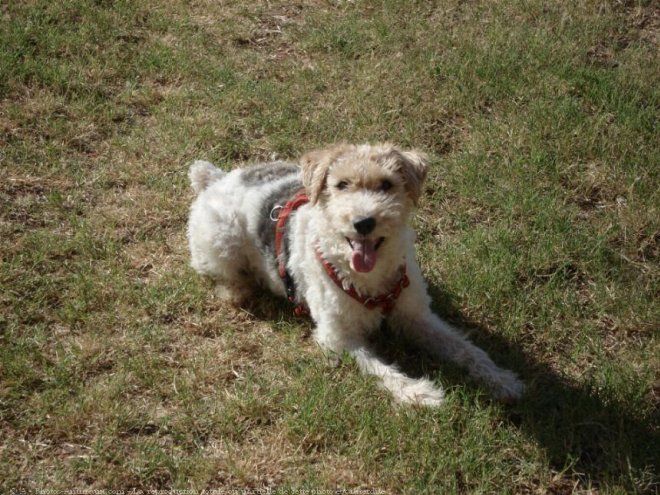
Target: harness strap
{"x":384,"y":301}
{"x":280,"y":230}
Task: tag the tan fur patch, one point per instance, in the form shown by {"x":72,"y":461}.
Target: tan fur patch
{"x":364,"y":167}
{"x":315,"y":165}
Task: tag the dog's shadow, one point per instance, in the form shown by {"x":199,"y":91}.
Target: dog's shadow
{"x":598,"y":437}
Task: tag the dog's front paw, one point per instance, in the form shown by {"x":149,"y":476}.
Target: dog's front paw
{"x":507,"y":386}
{"x":421,"y":392}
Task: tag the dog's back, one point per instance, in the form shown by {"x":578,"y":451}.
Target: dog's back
{"x":231,"y":229}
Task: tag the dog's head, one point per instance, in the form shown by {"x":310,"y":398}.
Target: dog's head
{"x":366,"y":192}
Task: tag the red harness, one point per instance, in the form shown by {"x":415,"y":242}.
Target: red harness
{"x":280,"y":229}
{"x":298,"y":200}
{"x":383,"y":301}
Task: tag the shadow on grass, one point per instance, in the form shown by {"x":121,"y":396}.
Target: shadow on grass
{"x":599,"y":438}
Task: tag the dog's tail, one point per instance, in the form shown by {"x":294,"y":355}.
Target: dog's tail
{"x":202,"y":174}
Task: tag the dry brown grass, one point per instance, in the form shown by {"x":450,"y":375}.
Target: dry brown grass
{"x":538,"y":231}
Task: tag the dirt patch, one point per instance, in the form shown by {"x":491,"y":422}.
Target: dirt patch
{"x":446,"y":132}
{"x":641,"y":26}
{"x":26,"y":202}
{"x":644,"y":22}
{"x":268,"y":34}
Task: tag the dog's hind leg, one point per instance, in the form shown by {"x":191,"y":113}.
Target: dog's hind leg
{"x":219,"y":251}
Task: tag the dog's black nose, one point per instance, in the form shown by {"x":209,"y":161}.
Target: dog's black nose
{"x":364,"y":225}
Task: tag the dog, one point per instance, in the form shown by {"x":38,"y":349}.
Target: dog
{"x":332,"y":235}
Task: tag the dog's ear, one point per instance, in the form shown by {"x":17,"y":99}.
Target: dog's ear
{"x":315,"y":165}
{"x":412,"y":165}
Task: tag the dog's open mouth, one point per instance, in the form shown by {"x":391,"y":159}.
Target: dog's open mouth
{"x":364,"y":253}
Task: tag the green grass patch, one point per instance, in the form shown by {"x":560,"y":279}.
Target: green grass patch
{"x":538,"y":233}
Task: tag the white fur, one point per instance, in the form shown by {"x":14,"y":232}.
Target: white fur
{"x":224,"y":226}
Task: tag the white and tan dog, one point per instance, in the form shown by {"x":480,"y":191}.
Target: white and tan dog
{"x":345,"y":250}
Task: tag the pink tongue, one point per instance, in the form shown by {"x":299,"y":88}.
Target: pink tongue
{"x":364,"y":255}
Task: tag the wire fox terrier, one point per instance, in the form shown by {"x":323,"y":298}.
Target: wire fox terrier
{"x":332,"y":235}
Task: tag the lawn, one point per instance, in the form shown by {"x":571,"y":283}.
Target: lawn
{"x":538,"y":233}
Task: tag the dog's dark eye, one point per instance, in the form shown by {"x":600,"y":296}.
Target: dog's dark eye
{"x":342,"y":185}
{"x":386,"y":185}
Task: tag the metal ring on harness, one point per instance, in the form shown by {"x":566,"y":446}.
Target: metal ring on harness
{"x":272,"y":217}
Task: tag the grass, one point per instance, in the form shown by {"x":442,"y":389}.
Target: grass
{"x":538,"y":233}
